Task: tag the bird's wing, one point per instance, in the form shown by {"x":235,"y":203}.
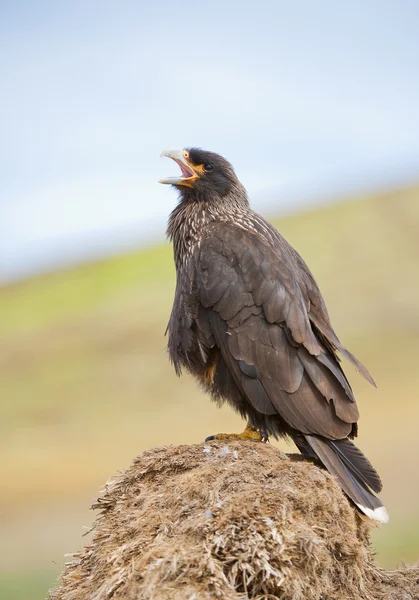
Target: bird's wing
{"x":319,"y":316}
{"x":260,"y":323}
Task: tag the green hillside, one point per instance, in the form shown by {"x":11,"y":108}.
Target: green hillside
{"x":86,"y":384}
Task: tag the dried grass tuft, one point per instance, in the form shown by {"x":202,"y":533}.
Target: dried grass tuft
{"x":232,"y":521}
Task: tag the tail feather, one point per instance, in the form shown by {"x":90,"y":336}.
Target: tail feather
{"x":357,"y":463}
{"x":355,"y":477}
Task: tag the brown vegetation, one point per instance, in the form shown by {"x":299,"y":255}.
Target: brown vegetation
{"x":234,"y":520}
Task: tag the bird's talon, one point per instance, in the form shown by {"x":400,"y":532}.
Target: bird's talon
{"x":248,"y":434}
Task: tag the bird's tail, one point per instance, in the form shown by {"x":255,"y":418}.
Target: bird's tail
{"x":355,"y":474}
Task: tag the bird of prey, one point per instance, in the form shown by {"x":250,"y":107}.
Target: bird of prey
{"x":249,"y":322}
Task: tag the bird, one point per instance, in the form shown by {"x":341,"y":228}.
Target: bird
{"x":251,"y":325}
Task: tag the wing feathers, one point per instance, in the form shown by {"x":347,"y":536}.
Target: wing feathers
{"x":257,"y":396}
{"x":306,"y":410}
{"x":244,"y":375}
{"x":331,"y":337}
{"x":276,"y":306}
{"x":280,"y":363}
{"x":267,"y":338}
{"x":330,"y":388}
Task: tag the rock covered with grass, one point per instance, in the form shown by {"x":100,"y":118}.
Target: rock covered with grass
{"x":231,"y":521}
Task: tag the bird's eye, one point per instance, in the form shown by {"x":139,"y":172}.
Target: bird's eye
{"x":208,"y":168}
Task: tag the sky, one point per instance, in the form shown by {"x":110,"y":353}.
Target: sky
{"x":306,"y":99}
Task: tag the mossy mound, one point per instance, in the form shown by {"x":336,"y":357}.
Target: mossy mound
{"x":230,"y":521}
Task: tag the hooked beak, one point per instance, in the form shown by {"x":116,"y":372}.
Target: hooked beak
{"x":188,"y":172}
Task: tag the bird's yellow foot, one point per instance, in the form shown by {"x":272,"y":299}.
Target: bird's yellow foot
{"x":248,"y":434}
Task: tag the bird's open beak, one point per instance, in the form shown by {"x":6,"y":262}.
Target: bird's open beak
{"x":188,"y":172}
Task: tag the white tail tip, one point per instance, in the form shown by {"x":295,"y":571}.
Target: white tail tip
{"x":379,"y":514}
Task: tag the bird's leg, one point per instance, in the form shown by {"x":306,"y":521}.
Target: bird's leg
{"x":303,"y":458}
{"x":250,"y":433}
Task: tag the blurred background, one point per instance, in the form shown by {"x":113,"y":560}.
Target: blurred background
{"x":317,"y":106}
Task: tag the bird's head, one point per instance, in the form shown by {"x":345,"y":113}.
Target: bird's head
{"x":204,"y":175}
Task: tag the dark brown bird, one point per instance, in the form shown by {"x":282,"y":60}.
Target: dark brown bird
{"x":249,"y":322}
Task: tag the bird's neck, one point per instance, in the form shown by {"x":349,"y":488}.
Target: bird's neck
{"x":191,"y":217}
